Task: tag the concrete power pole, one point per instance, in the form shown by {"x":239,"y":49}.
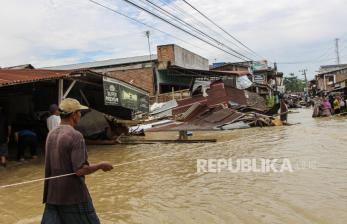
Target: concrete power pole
{"x":148,"y":33}
{"x":306,"y":81}
{"x":337,"y":51}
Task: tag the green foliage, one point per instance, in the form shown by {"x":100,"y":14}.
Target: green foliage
{"x":293,"y":84}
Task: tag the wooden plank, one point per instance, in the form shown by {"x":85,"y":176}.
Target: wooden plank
{"x":136,"y":142}
{"x":169,"y":141}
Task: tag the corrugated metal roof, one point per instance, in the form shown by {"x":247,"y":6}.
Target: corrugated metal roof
{"x":17,"y":76}
{"x":331,"y":70}
{"x":210,"y":120}
{"x":105,"y":63}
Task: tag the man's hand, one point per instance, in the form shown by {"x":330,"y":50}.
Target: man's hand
{"x":86,"y":170}
{"x":105,"y":166}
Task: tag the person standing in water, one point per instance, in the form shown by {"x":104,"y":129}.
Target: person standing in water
{"x":67,"y":199}
{"x":336,"y":104}
{"x":326,"y":107}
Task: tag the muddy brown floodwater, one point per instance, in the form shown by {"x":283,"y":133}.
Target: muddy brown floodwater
{"x":169,"y":190}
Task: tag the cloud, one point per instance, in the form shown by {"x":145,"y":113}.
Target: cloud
{"x":52,"y":32}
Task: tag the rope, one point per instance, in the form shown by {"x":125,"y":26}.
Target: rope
{"x":117,"y":165}
{"x":37,"y":180}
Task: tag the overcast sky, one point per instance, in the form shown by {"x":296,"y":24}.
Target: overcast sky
{"x":56,"y":32}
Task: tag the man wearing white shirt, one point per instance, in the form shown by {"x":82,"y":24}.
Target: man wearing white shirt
{"x":54,"y":120}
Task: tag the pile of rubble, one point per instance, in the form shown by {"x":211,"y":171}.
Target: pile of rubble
{"x":218,"y":108}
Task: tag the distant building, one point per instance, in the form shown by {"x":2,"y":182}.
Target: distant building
{"x":331,"y":76}
{"x":265,"y":78}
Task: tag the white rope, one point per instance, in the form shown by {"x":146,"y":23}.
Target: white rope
{"x":117,"y":165}
{"x":37,"y":180}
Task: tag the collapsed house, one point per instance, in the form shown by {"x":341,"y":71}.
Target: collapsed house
{"x":219,"y":107}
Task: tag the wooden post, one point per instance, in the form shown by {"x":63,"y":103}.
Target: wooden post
{"x":60,"y":90}
{"x":69,"y":89}
{"x":183,"y":135}
{"x":173,"y":93}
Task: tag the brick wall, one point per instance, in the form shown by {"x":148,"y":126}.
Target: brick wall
{"x":166,"y":53}
{"x":141,"y":78}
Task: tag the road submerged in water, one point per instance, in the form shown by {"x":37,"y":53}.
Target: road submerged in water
{"x":169,"y":189}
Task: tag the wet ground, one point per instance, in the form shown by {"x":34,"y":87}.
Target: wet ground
{"x":168,"y":189}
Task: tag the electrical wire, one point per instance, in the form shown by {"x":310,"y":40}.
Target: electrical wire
{"x":142,"y":23}
{"x":193,"y":28}
{"x":180,"y":28}
{"x":176,"y":8}
{"x":234,"y":38}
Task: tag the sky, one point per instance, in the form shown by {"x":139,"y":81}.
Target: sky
{"x":297,"y":34}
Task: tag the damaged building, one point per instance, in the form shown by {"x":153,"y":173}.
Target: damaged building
{"x":27,"y":93}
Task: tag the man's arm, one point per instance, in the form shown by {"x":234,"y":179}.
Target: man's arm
{"x":89,"y":169}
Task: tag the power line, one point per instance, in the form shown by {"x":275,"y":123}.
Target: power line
{"x":193,"y":28}
{"x":180,"y":28}
{"x":176,"y":8}
{"x":234,"y":38}
{"x":329,"y":52}
{"x":145,"y":24}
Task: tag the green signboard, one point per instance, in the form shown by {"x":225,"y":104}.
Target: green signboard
{"x":118,"y":93}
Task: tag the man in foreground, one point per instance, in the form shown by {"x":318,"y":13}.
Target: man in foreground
{"x":67,"y":199}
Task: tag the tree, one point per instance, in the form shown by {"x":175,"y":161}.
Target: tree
{"x":294,"y":84}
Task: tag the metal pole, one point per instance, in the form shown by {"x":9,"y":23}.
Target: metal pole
{"x":149,"y":44}
{"x":304,"y":74}
{"x":337,"y":51}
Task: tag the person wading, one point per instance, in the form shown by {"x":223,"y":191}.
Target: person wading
{"x":67,"y":199}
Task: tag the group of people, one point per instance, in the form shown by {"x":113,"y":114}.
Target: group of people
{"x":24,"y":138}
{"x":329,"y":106}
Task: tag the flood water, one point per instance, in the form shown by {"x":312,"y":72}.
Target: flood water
{"x":169,"y":190}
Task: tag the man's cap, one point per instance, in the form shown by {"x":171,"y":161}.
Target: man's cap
{"x":70,"y":105}
{"x":53,"y":108}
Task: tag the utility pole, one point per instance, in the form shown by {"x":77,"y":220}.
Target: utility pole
{"x":148,"y":33}
{"x":304,"y":74}
{"x":337,"y":51}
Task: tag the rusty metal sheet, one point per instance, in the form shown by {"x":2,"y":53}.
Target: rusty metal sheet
{"x":218,"y":116}
{"x":17,"y":76}
{"x":184,"y":105}
{"x":236,"y":95}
